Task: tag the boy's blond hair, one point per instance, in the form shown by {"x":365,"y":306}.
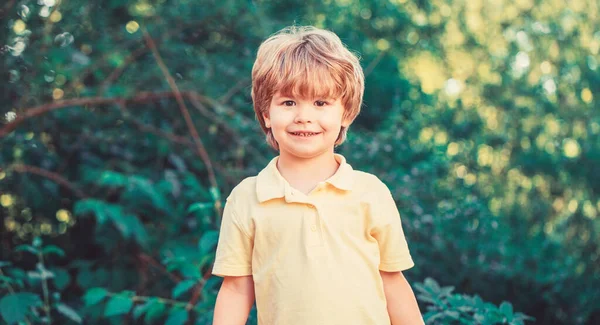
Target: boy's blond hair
{"x":306,"y":62}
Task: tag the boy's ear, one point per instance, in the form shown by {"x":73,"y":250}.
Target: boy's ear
{"x":267,"y":121}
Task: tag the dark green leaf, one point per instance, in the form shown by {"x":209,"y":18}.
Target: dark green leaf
{"x":118,"y":305}
{"x":15,"y":307}
{"x":182,"y":287}
{"x":61,"y":278}
{"x":51,"y":249}
{"x":69,"y":312}
{"x":506,"y":308}
{"x":139,"y":310}
{"x":26,"y":248}
{"x":199,"y":207}
{"x":208,"y":241}
{"x":155,"y":311}
{"x":94,"y":296}
{"x":177,"y":316}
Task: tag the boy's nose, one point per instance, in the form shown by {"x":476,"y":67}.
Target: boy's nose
{"x":303,"y":115}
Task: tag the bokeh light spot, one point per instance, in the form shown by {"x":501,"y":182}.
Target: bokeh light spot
{"x":63,"y":215}
{"x":571,"y":148}
{"x":19,"y":26}
{"x":6,"y":200}
{"x":132,"y":27}
{"x":573,"y":205}
{"x":586,"y":95}
{"x":58,"y":93}
{"x":55,"y":17}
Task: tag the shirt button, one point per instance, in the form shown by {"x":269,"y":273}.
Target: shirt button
{"x":313,"y":228}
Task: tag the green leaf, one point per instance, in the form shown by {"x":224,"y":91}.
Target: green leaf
{"x":154,"y":311}
{"x":452,"y":314}
{"x":68,"y":312}
{"x":177,"y":316}
{"x":182,"y":287}
{"x":148,"y":190}
{"x":27,"y":248}
{"x":94,"y":296}
{"x":215,"y":194}
{"x":199,"y":207}
{"x":51,"y":249}
{"x":5,"y":279}
{"x":431,"y":316}
{"x":506,"y":308}
{"x":61,"y":278}
{"x":118,"y":305}
{"x":14,"y":308}
{"x":92,"y":206}
{"x":136,"y":228}
{"x":127,"y":224}
{"x":112,"y":179}
{"x":139,"y":310}
{"x":208,"y":241}
{"x":3,"y":264}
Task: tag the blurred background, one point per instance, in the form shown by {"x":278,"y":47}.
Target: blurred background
{"x":125,"y":124}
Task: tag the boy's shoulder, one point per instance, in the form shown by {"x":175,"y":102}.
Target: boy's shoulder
{"x":367,"y":182}
{"x":244,"y":188}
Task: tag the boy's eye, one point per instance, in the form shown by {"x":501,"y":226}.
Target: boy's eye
{"x":320,"y":103}
{"x":288,"y":103}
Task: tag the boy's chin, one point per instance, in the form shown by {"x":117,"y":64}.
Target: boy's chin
{"x":305,"y":153}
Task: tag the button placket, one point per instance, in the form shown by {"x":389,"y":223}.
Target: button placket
{"x":315,"y":232}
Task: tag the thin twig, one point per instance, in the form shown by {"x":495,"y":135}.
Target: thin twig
{"x":142,"y":97}
{"x":150,"y":260}
{"x":45,"y":289}
{"x":186,"y":115}
{"x":198,"y":288}
{"x":233,"y":90}
{"x":119,"y":70}
{"x":374,"y":63}
{"x":21,"y":168}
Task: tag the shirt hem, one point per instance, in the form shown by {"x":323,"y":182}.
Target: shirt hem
{"x":222,"y":271}
{"x":396,"y":266}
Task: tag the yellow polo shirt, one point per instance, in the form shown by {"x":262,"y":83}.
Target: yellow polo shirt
{"x":315,"y":258}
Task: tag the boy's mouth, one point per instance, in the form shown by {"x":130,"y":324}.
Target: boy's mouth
{"x":304,"y":134}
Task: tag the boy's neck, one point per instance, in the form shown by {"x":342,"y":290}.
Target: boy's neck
{"x":304,"y":174}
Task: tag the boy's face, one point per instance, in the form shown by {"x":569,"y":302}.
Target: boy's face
{"x":305,"y":128}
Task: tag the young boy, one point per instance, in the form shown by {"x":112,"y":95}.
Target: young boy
{"x":312,"y":240}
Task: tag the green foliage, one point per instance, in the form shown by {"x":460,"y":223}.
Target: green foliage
{"x":15,"y":307}
{"x":21,"y":301}
{"x":448,"y":308}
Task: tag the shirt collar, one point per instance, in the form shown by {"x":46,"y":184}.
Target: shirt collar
{"x":270,"y":184}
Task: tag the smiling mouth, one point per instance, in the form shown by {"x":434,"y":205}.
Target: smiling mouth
{"x":305,"y":134}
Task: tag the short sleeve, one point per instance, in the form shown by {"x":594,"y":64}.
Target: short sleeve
{"x":393,"y":249}
{"x":234,"y":249}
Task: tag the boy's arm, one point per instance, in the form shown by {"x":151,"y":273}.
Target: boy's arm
{"x":401,"y":302}
{"x":234,"y":301}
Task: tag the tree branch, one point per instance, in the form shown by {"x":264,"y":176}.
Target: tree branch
{"x":21,"y":168}
{"x":186,"y":115}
